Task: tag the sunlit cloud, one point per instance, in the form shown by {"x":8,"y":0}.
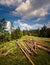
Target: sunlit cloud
{"x":32,"y":8}
{"x":10,"y":2}
{"x":8,"y":26}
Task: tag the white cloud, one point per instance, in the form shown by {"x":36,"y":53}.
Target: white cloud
{"x":23,"y":7}
{"x":29,"y":8}
{"x":10,"y":2}
{"x":39,"y":19}
{"x":48,"y":24}
{"x":36,"y":26}
{"x":32,"y":8}
{"x":8,"y":26}
{"x":27,"y":26}
{"x":23,"y":25}
{"x":39,"y":12}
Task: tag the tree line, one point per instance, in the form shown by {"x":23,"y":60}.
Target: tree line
{"x":43,"y":32}
{"x":17,"y":33}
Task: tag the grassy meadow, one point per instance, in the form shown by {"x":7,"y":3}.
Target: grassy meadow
{"x":10,"y":53}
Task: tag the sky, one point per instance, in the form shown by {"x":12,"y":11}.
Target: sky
{"x":30,"y":14}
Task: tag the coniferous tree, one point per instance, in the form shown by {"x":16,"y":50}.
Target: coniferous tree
{"x":16,"y":34}
{"x":2,"y":24}
{"x":43,"y":31}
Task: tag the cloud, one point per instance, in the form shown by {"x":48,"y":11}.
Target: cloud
{"x":23,"y":7}
{"x":39,"y":19}
{"x":48,"y":24}
{"x":37,"y":13}
{"x":8,"y":26}
{"x":23,"y":25}
{"x":36,"y":26}
{"x":28,"y":8}
{"x":32,"y":8}
{"x":10,"y":2}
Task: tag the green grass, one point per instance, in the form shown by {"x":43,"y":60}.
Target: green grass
{"x":16,"y":57}
{"x":44,"y":41}
{"x":43,"y":57}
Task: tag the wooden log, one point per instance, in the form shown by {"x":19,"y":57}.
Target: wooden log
{"x":6,"y":53}
{"x":27,"y":56}
{"x":45,"y":49}
{"x":38,"y":45}
{"x":31,"y":48}
{"x":26,"y":49}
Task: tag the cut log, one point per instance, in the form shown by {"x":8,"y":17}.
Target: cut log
{"x":27,"y":56}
